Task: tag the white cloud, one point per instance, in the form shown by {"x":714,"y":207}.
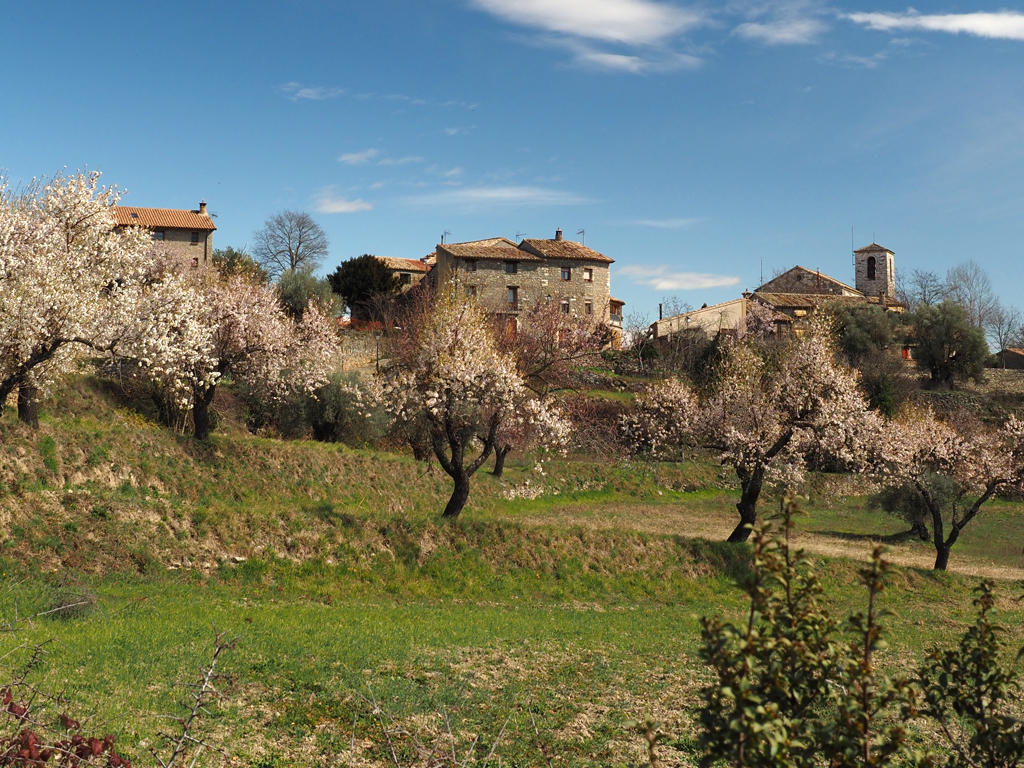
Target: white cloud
{"x":359,"y":158}
{"x":799,"y":31}
{"x":407,"y":160}
{"x":453,"y":172}
{"x":328,"y":202}
{"x":633,"y":22}
{"x":657,"y":62}
{"x":1004,"y":25}
{"x":678,"y":223}
{"x":299,"y":92}
{"x":499,"y":196}
{"x":662,"y":279}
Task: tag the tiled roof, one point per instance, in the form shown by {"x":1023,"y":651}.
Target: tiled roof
{"x":817,"y":275}
{"x":814,"y":300}
{"x":162,"y":218}
{"x":492,"y":248}
{"x":872,"y":247}
{"x":404,"y":265}
{"x":613,"y":300}
{"x":564,"y":249}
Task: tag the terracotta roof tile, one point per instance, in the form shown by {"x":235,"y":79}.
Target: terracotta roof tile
{"x":161,"y":218}
{"x":564,"y":249}
{"x":872,"y":247}
{"x":404,"y":265}
{"x":492,"y":248}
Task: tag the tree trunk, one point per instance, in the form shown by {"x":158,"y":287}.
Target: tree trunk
{"x":941,"y":557}
{"x":499,"y":459}
{"x":28,"y":405}
{"x":919,"y":529}
{"x":747,"y":506}
{"x":201,"y":413}
{"x":460,"y":495}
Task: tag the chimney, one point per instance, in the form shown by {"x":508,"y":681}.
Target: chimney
{"x":558,"y":234}
{"x":202,"y":208}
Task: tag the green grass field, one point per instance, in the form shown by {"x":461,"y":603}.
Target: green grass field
{"x":546,"y":624}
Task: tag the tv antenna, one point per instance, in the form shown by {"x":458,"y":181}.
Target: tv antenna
{"x":520,"y":235}
{"x":445,"y":234}
{"x":583,"y":235}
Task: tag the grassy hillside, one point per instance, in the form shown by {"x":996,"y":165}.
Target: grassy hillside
{"x":559,"y":618}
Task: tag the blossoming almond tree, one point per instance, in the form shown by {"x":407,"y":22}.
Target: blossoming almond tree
{"x":921,"y":447}
{"x":251,"y":339}
{"x":763,"y":415}
{"x":71,"y":283}
{"x":448,"y":374}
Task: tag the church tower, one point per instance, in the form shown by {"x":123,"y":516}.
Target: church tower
{"x":876,"y":273}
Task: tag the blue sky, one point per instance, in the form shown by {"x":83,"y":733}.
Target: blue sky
{"x":693,"y":142}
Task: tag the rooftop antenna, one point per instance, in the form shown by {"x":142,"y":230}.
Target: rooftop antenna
{"x":520,"y":235}
{"x":762,"y":269}
{"x":853,"y":249}
{"x":445,"y":234}
{"x":583,"y":235}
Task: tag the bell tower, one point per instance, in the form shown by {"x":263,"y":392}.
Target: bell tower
{"x":875,"y":270}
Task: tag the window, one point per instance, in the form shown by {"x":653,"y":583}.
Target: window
{"x":588,"y":275}
{"x":513,"y":297}
{"x":471,"y":265}
{"x":158,"y":234}
{"x":195,"y":237}
{"x":511,"y":267}
{"x":565,"y":306}
{"x":406,"y":278}
{"x":588,"y":307}
{"x":470,"y":290}
{"x":566,"y":274}
{"x":871,"y":267}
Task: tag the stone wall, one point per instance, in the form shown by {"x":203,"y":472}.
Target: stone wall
{"x":535,"y":281}
{"x":885,"y":273}
{"x":180,"y":240}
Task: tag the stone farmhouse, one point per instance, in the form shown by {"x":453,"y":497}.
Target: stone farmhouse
{"x":189,"y":232}
{"x":410,"y":272}
{"x":509,"y":278}
{"x":795,"y":295}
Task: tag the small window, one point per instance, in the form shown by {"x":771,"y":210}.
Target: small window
{"x":588,"y":275}
{"x":513,"y":296}
{"x":565,"y":306}
{"x":871,"y":267}
{"x":195,"y":237}
{"x":406,"y":278}
{"x":566,"y":274}
{"x":588,"y":307}
{"x":511,"y":267}
{"x":158,"y":234}
{"x":471,"y":265}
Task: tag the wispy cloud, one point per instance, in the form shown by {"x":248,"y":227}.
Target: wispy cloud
{"x":677,"y":223}
{"x":359,"y":158}
{"x":327,"y":201}
{"x":651,"y":61}
{"x":633,"y":22}
{"x":1003,"y":25}
{"x":377,"y":157}
{"x":299,"y":92}
{"x":661,"y":278}
{"x":633,"y":36}
{"x":507,"y":196}
{"x":797,"y":31}
{"x":406,"y":160}
{"x":296,"y":91}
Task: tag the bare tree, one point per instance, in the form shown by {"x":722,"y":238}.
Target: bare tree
{"x":968,"y":285}
{"x":923,"y":287}
{"x":1004,"y":327}
{"x":290,"y":240}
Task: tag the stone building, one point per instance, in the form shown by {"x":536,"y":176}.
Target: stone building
{"x":509,"y":278}
{"x":189,"y":232}
{"x":410,"y":272}
{"x":795,"y":295}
